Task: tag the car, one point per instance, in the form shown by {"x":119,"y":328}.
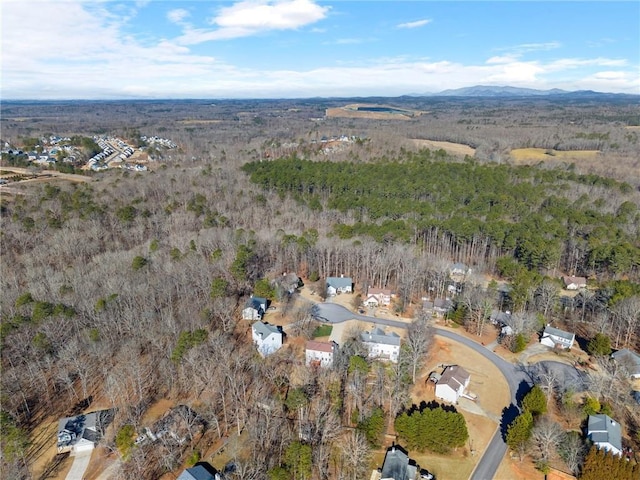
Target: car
{"x":272,"y":308}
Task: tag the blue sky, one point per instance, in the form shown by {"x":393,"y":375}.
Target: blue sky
{"x":75,"y":49}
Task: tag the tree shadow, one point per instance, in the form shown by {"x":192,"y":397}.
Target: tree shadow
{"x":508,"y":416}
{"x":523,"y":389}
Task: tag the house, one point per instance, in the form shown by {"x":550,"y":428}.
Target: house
{"x":339,"y":284}
{"x":254,"y":308}
{"x":458,"y":269}
{"x":574,"y":283}
{"x":200,"y":471}
{"x":378,"y":296}
{"x":289,"y":282}
{"x":556,"y":338}
{"x":398,"y":466}
{"x":452,"y":384}
{"x":381,"y":345}
{"x":267,"y":338}
{"x":176,"y":426}
{"x":629,"y":360}
{"x":442,"y":305}
{"x":605,"y":433}
{"x":319,"y":353}
{"x":81,"y":433}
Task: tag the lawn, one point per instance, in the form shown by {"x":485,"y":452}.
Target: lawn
{"x":322,"y":331}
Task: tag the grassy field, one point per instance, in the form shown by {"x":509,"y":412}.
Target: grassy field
{"x":449,"y":147}
{"x":543,"y":154}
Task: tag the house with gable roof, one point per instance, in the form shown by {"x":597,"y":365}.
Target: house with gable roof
{"x":382,"y":345}
{"x":254,"y":308}
{"x":605,"y":433}
{"x":82,"y":432}
{"x":200,"y":471}
{"x":397,"y":465}
{"x":266,"y":337}
{"x":339,"y":284}
{"x":629,"y":360}
{"x":378,"y":296}
{"x":452,"y":383}
{"x":556,"y":338}
{"x":320,"y":354}
{"x":574,"y":283}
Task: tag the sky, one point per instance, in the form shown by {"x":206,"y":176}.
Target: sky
{"x":162,"y":49}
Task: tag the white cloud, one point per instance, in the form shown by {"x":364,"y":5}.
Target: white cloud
{"x":416,"y":24}
{"x":530,"y":47}
{"x":502,"y":59}
{"x":251,"y":17}
{"x":84,"y":51}
{"x":178,"y":15}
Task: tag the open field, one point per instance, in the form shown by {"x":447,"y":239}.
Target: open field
{"x":449,"y":147}
{"x":198,"y":122}
{"x":543,"y":154}
{"x":375,"y":112}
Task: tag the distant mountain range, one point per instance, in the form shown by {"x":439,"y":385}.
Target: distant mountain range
{"x":506,"y":91}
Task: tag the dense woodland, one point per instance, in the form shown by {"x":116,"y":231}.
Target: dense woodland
{"x":128,"y":289}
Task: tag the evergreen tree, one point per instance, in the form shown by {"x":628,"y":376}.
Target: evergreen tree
{"x":519,"y":433}
{"x":535,"y":401}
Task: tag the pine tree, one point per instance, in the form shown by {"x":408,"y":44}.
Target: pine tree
{"x":535,"y":401}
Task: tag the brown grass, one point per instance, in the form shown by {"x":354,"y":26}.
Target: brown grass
{"x":524,"y":155}
{"x":449,"y":147}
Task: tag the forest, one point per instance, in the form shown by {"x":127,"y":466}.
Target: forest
{"x":126,"y":291}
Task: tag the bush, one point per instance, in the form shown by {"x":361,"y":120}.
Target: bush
{"x":125,"y":440}
{"x":519,"y":343}
{"x":138,"y":262}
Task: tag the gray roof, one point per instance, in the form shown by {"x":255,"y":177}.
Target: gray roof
{"x":196,"y":473}
{"x":265,"y":329}
{"x":377,"y":335}
{"x":256,"y":302}
{"x":398,"y":465}
{"x":630,"y":358}
{"x":87,"y":426}
{"x":339,"y":282}
{"x":454,"y":376}
{"x":604,"y":429}
{"x":556,"y":332}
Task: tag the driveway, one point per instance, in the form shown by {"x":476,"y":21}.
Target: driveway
{"x":79,"y":466}
{"x":516,"y":377}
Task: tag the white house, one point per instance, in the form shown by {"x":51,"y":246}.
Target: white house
{"x":254,"y":308}
{"x":381,"y":345}
{"x":319,"y":353}
{"x":81,"y":433}
{"x":339,"y":284}
{"x":574,"y":283}
{"x":452,"y":384}
{"x":605,"y":433}
{"x":267,"y":338}
{"x":629,"y":360}
{"x":378,"y":296}
{"x":556,"y":338}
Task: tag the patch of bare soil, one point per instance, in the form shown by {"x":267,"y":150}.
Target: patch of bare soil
{"x":514,"y":469}
{"x":449,"y":147}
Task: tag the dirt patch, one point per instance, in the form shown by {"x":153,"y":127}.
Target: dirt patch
{"x":514,"y":469}
{"x":449,"y":147}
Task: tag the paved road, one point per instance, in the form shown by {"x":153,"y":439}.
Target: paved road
{"x":487,"y":466}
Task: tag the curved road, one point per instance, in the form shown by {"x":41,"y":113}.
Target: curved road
{"x":488,"y":465}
